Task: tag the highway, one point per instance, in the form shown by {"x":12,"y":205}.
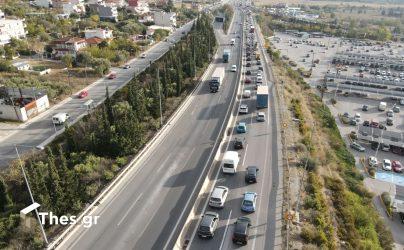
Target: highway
{"x":261,"y":150}
{"x":147,"y":208}
{"x":39,"y":129}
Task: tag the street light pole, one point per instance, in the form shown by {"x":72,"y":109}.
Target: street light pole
{"x":30,"y":193}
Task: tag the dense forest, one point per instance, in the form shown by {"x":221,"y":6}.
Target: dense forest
{"x":72,"y":170}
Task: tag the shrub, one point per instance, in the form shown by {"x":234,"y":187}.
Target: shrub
{"x":386,"y":199}
{"x":333,"y":101}
{"x":309,"y":233}
{"x":311,"y":164}
{"x":372,"y":171}
{"x":121,"y":161}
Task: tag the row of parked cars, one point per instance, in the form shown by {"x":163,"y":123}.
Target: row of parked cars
{"x":229,"y":165}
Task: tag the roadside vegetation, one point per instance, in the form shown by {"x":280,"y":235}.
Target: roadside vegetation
{"x":227,"y":11}
{"x":337,"y":209}
{"x":72,"y":170}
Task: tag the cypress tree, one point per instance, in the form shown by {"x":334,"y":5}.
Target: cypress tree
{"x":5,"y":200}
{"x":108,"y":105}
{"x":53,"y":183}
{"x":178,"y":79}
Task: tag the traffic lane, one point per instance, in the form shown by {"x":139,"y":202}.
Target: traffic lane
{"x":197,"y":135}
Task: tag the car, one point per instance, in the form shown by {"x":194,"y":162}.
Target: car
{"x":112,"y":75}
{"x":396,"y":109}
{"x":372,"y":161}
{"x":353,"y":122}
{"x":386,"y":165}
{"x":247,"y":80}
{"x":248,"y":64}
{"x":239,"y":143}
{"x":83,"y":94}
{"x":365,"y":108}
{"x":381,"y":126}
{"x":353,"y":135}
{"x":241,"y":230}
{"x":248,"y":72}
{"x":357,"y":147}
{"x":251,"y":175}
{"x":183,"y":32}
{"x":208,"y":225}
{"x":385,"y":147}
{"x":260,"y":68}
{"x":390,"y":113}
{"x":233,"y":68}
{"x":143,"y":56}
{"x":248,"y":59}
{"x":401,"y":217}
{"x":258,"y":62}
{"x":243,"y":109}
{"x":249,"y":202}
{"x":346,"y":114}
{"x":260,"y":117}
{"x":241,"y":128}
{"x":357,"y":117}
{"x":389,"y":121}
{"x":372,"y":124}
{"x":397,"y":167}
{"x":218,"y":196}
{"x":366,"y":123}
{"x":127,"y":66}
{"x":247,"y":93}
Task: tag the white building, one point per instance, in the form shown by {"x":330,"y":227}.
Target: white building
{"x":69,"y":8}
{"x":22,"y":66}
{"x":43,"y":3}
{"x":165,"y":19}
{"x":141,"y":8}
{"x":100,"y":33}
{"x":10,"y":28}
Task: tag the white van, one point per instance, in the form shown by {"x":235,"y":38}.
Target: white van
{"x":218,"y":196}
{"x":382,"y":106}
{"x":230,"y":162}
{"x":60,"y":118}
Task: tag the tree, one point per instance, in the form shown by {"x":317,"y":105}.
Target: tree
{"x":68,"y":60}
{"x":101,"y":65}
{"x":137,"y":100}
{"x":108,"y":106}
{"x":53,"y":184}
{"x":5,"y":200}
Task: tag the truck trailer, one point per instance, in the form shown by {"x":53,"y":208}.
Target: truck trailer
{"x":262,"y":97}
{"x":226,"y":55}
{"x":217,"y":79}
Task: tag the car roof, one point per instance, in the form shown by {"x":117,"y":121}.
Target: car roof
{"x":251,"y":168}
{"x":249,"y":196}
{"x":241,"y":124}
{"x":217,"y":192}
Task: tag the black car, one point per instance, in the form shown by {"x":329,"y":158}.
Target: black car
{"x":248,"y":72}
{"x":208,"y":225}
{"x":248,"y":64}
{"x":375,"y":145}
{"x":239,"y":143}
{"x":258,"y":62}
{"x":241,"y":230}
{"x":366,"y":123}
{"x":248,"y":58}
{"x":260,"y":68}
{"x":365,"y":108}
{"x":251,"y":175}
{"x":402,"y":217}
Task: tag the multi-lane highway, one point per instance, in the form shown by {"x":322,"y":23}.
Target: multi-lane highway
{"x":147,"y":208}
{"x":35,"y":132}
{"x":261,"y":150}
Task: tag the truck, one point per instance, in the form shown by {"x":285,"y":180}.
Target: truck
{"x":226,"y":55}
{"x":217,"y":79}
{"x":382,"y":106}
{"x":252,"y":29}
{"x":262,"y":96}
{"x":230,"y":162}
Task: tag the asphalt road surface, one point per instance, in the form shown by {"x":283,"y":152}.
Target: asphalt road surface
{"x":261,"y":151}
{"x":38,"y":130}
{"x":143,"y":210}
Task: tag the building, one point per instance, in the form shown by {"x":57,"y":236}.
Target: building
{"x":100,"y":33}
{"x":116,"y":3}
{"x":94,"y":41}
{"x":2,"y":16}
{"x":133,"y":3}
{"x":165,"y":19}
{"x":43,"y":3}
{"x":21,"y":104}
{"x":69,"y":8}
{"x":10,"y":28}
{"x":139,"y":7}
{"x":22,"y":66}
{"x":66,"y":46}
{"x":106,"y":13}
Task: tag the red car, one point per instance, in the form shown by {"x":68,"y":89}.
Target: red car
{"x":112,"y":75}
{"x":83,"y":94}
{"x":374,"y":124}
{"x":397,"y":167}
{"x":247,"y":80}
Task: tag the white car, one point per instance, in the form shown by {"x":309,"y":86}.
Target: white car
{"x":143,"y":56}
{"x":261,"y":117}
{"x":243,"y":109}
{"x":247,"y":93}
{"x":259,"y":79}
{"x":233,"y":68}
{"x":387,"y":164}
{"x":372,"y":161}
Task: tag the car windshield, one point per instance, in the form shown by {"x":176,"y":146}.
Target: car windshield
{"x":247,"y":203}
{"x":227,"y":165}
{"x":215,"y":199}
{"x":204,"y":228}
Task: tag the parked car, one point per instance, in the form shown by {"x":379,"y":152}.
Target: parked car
{"x":353,"y":135}
{"x":390,"y":113}
{"x":247,"y":80}
{"x":249,"y":202}
{"x":365,"y":108}
{"x":241,"y":230}
{"x":397,"y":167}
{"x":387,"y":165}
{"x":143,"y":56}
{"x":372,"y":161}
{"x":218,"y":196}
{"x":112,"y":75}
{"x":248,"y":64}
{"x":357,"y":147}
{"x":251,"y":175}
{"x":233,"y":68}
{"x":248,"y":72}
{"x":247,"y":93}
{"x":127,"y":66}
{"x":401,"y":217}
{"x":385,"y":147}
{"x":396,"y":109}
{"x":239,"y":143}
{"x":389,"y":121}
{"x":373,"y":124}
{"x":208,"y":225}
{"x":83,"y":94}
{"x":241,"y":128}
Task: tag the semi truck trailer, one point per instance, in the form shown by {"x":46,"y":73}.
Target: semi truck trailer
{"x":226,"y":55}
{"x":262,"y":97}
{"x":217,"y":79}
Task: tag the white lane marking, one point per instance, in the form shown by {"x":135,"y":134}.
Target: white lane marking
{"x":225,"y":230}
{"x":130,"y":208}
{"x":245,"y":154}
